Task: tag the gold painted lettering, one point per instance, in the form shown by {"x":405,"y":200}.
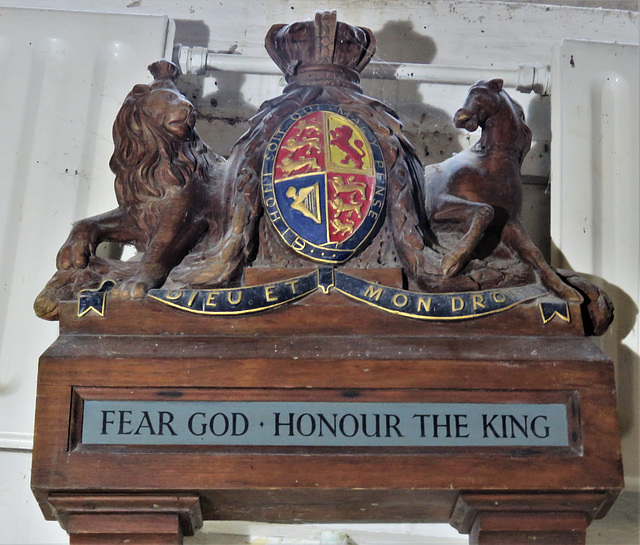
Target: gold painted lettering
{"x":373,"y":292}
{"x":211,"y":299}
{"x":237,"y":299}
{"x":499,"y":297}
{"x":298,"y":244}
{"x":426,"y":305}
{"x":268,"y":293}
{"x":275,"y":215}
{"x":292,"y":283}
{"x":478,"y":301}
{"x":270,"y":202}
{"x":457,"y":304}
{"x":400,"y":300}
{"x":173,"y":295}
{"x":192,"y":298}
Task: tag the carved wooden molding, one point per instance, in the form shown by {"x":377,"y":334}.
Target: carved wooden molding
{"x":495,"y":518}
{"x":159,"y":518}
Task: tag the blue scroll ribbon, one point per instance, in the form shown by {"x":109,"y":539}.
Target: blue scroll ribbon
{"x":95,"y":300}
{"x":235,"y":301}
{"x":424,"y":306}
{"x":552,"y":308}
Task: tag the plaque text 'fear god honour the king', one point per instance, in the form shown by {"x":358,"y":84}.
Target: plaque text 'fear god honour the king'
{"x":311,"y":424}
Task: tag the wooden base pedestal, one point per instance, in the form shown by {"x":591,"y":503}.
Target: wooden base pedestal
{"x":135,"y":520}
{"x":522,"y":519}
{"x":322,"y":350}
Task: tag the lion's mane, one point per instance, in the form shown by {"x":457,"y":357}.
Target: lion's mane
{"x":149,"y":160}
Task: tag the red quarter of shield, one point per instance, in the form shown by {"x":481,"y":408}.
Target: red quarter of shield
{"x":349,"y":198}
{"x":302,"y":148}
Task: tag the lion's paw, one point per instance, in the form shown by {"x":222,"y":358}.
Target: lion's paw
{"x":130,"y":289}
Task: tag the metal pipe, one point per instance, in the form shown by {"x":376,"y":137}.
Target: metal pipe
{"x":524,"y":78}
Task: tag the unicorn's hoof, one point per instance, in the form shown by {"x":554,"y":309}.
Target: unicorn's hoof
{"x":450,"y":266}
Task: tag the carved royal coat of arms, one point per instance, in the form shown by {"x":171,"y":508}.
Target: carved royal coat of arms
{"x":323,"y":180}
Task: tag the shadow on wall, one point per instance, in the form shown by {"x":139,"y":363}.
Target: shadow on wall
{"x":424,"y":124}
{"x":538,"y":118}
{"x":223,"y":113}
{"x":620,"y":525}
{"x":626,"y":360}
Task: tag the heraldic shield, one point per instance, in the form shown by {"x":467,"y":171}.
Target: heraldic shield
{"x":324,"y":182}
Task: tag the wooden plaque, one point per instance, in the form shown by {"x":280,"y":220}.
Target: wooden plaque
{"x":151,"y":354}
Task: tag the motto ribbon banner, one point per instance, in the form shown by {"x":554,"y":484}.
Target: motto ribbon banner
{"x":232,"y":301}
{"x":424,"y":306}
{"x":434,"y":306}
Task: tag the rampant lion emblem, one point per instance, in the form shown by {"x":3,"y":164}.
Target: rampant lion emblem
{"x":341,"y":138}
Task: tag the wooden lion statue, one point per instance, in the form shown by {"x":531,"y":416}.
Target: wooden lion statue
{"x":167,"y":184}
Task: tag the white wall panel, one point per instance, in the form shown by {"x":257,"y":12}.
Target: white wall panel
{"x":64,"y":76}
{"x":595,"y":198}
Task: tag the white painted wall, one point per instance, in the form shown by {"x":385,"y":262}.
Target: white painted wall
{"x":471,"y":33}
{"x":595,"y":155}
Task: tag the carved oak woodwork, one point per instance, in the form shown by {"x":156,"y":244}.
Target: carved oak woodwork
{"x":320,"y":269}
